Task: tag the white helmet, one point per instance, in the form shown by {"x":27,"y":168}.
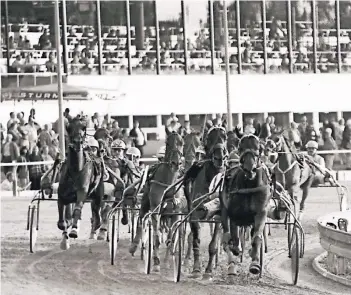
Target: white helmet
{"x":161,"y":152}
{"x":92,"y":142}
{"x":200,"y":150}
{"x":118,"y":144}
{"x":312,"y":144}
{"x":133,"y":151}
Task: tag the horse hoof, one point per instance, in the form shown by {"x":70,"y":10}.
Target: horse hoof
{"x":156,"y":268}
{"x":124,"y":220}
{"x":196,"y":274}
{"x":207,"y":276}
{"x":255,"y":268}
{"x":64,"y":245}
{"x":132,"y":248}
{"x":61,"y":225}
{"x":102,"y":235}
{"x":73,"y":233}
{"x":233,"y":270}
{"x":92,"y":236}
{"x":299,"y":218}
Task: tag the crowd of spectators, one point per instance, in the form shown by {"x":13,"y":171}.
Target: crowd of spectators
{"x":36,"y":54}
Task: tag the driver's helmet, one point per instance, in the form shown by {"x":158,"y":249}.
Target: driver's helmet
{"x":133,"y":153}
{"x":200,"y":150}
{"x":92,"y":142}
{"x":118,"y":144}
{"x":161,"y":152}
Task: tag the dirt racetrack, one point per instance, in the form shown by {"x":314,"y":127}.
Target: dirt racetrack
{"x":85,"y":268}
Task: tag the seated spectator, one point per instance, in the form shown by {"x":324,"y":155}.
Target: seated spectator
{"x":44,"y":40}
{"x":17,"y":65}
{"x":51,"y":63}
{"x":7,"y":184}
{"x":30,"y":66}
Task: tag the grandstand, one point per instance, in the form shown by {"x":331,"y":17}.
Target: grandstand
{"x":175,"y":37}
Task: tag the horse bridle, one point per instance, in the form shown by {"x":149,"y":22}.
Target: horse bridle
{"x":173,"y":151}
{"x":256,"y":154}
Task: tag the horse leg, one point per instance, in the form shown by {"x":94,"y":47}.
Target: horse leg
{"x":62,"y":225}
{"x":156,"y":254}
{"x":144,"y":208}
{"x":77,"y":213}
{"x":188,"y":252}
{"x":212,"y":250}
{"x":106,"y":208}
{"x":260,"y":220}
{"x":233,"y":249}
{"x":195,"y":229}
{"x":305,"y":191}
{"x":94,"y":213}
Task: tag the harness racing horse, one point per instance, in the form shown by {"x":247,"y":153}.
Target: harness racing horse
{"x":245,"y":200}
{"x":200,"y":176}
{"x":161,"y":176}
{"x":290,"y":171}
{"x":81,"y":176}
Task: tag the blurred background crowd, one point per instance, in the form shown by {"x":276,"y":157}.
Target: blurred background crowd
{"x":175,"y":35}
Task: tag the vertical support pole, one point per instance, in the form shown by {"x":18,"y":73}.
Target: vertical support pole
{"x":129,"y":38}
{"x":337,"y":23}
{"x":59,"y":81}
{"x":185,"y":36}
{"x":290,"y":36}
{"x":212,"y":38}
{"x":15,"y":180}
{"x":227,"y":70}
{"x":64,"y":36}
{"x":314,"y":34}
{"x":157,"y":28}
{"x":264,"y":30}
{"x":7,"y":35}
{"x":98,"y":29}
{"x":238,"y":35}
{"x":130,"y":122}
{"x":291,"y":117}
{"x":315,"y":121}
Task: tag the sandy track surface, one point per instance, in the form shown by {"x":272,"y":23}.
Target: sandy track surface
{"x":85,"y":268}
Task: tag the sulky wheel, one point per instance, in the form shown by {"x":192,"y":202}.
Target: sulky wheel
{"x":290,"y":225}
{"x":147,"y":245}
{"x":177,"y":251}
{"x":295,"y":254}
{"x":302,"y":243}
{"x":113,"y":239}
{"x":33,"y":228}
{"x":262,"y":251}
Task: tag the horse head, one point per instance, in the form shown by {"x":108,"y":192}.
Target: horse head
{"x":250,"y":150}
{"x":215,"y":145}
{"x":76,"y":130}
{"x":174,"y":150}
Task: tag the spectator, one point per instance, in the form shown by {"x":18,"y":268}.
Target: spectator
{"x":173,"y":127}
{"x":327,"y":124}
{"x":346,"y":143}
{"x":249,"y":128}
{"x":339,"y":129}
{"x":10,"y":152}
{"x":272,"y":124}
{"x":127,"y":140}
{"x":303,"y":126}
{"x":294,"y":135}
{"x":51,"y":63}
{"x":24,"y":142}
{"x":96,"y":120}
{"x":46,"y":157}
{"x":13,"y":130}
{"x":54,"y":148}
{"x":7,"y":184}
{"x":44,"y":41}
{"x":45,"y":136}
{"x":67,"y":115}
{"x":35,"y":171}
{"x":30,"y":66}
{"x":208,"y":126}
{"x":17,"y":65}
{"x":22,"y":171}
{"x":32,"y":133}
{"x":329,"y":145}
{"x":116,"y":130}
{"x":186,"y":129}
{"x":12,"y":119}
{"x":266,"y":129}
{"x":173,"y":117}
{"x":138,"y":137}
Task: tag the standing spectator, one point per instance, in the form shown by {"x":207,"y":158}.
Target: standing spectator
{"x":116,"y":130}
{"x":346,"y":143}
{"x":13,"y":130}
{"x":22,"y":171}
{"x":208,"y":126}
{"x":294,"y":135}
{"x":138,"y":137}
{"x":327,"y":124}
{"x":45,"y":136}
{"x":10,"y":152}
{"x":329,"y":145}
{"x":2,"y":136}
{"x":107,"y":119}
{"x":127,"y":140}
{"x":24,"y":140}
{"x":249,"y":128}
{"x":67,"y":115}
{"x":272,"y":124}
{"x":186,"y":129}
{"x":173,"y":117}
{"x":339,"y":129}
{"x":303,"y":126}
{"x":266,"y":129}
{"x":54,"y":148}
{"x":32,"y":133}
{"x":46,"y":157}
{"x":35,"y":171}
{"x":12,"y":119}
{"x":7,"y":184}
{"x":96,"y":120}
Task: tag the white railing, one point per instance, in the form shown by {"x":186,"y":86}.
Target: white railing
{"x":337,"y":244}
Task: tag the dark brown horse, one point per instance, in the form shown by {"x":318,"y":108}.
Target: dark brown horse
{"x":245,"y":202}
{"x":161,"y":177}
{"x":200,"y":176}
{"x":81,"y":176}
{"x":289,"y":170}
